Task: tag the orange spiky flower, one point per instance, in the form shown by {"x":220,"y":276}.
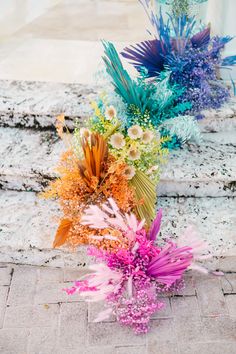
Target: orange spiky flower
{"x":95,"y":151}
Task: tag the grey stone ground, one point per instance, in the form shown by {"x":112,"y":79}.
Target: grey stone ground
{"x":37,"y":317}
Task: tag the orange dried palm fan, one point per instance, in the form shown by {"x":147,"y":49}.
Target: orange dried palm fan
{"x":95,"y":157}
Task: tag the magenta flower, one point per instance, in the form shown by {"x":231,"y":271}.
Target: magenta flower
{"x":170,"y":264}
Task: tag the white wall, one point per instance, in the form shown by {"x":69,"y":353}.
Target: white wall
{"x":221,"y":14}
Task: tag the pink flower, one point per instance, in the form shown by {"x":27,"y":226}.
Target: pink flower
{"x":198,"y":248}
{"x":98,"y":285}
{"x":170,"y":264}
{"x":109,"y":215}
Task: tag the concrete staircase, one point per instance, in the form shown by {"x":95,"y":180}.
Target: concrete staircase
{"x":198,"y":185}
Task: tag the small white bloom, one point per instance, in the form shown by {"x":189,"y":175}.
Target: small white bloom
{"x":129,"y":172}
{"x":135,"y":132}
{"x":117,"y":141}
{"x":84,"y":132}
{"x":148,"y":135}
{"x":110,"y":112}
{"x":133,"y":154}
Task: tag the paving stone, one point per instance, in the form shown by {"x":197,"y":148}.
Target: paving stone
{"x":50,"y":275}
{"x":229,"y":283}
{"x":100,"y":350}
{"x":131,"y":350}
{"x":163,"y":348}
{"x":52,"y":293}
{"x":190,"y":286}
{"x":185,"y":307}
{"x":112,"y":334}
{"x":165,"y":312}
{"x":210,"y":297}
{"x":60,"y":350}
{"x":23,"y":285}
{"x":14,"y":341}
{"x":31,"y":316}
{"x":162,"y":331}
{"x":93,"y":310}
{"x":207,"y":348}
{"x":221,"y":328}
{"x":43,"y":340}
{"x":231,"y":304}
{"x":3,"y":299}
{"x":5,"y":275}
{"x":73,"y":325}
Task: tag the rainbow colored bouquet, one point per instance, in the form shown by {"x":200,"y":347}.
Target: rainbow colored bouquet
{"x":107,"y":193}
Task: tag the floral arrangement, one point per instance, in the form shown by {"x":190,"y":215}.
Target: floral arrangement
{"x":132,"y":280}
{"x":106,"y":189}
{"x":185,"y":48}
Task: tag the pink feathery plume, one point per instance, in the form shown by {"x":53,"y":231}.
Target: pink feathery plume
{"x":155,"y":227}
{"x":170,"y":264}
{"x":108,"y":216}
{"x":199,"y":248}
{"x":98,"y":285}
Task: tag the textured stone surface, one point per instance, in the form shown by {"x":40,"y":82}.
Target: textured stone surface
{"x":35,"y":104}
{"x":28,"y":225}
{"x":207,"y":170}
{"x":64,"y":326}
{"x":29,"y":160}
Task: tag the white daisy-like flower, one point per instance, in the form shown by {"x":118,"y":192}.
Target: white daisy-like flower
{"x":148,"y":135}
{"x":135,"y":132}
{"x":133,"y":154}
{"x":110,"y":112}
{"x":84,"y":132}
{"x":117,"y":141}
{"x":129,"y":172}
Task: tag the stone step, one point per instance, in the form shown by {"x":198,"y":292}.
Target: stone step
{"x":35,"y":105}
{"x":29,"y":159}
{"x":28,"y":225}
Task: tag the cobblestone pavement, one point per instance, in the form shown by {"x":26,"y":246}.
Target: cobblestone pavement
{"x":37,"y":317}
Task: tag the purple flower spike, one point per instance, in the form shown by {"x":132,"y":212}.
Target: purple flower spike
{"x":155,"y":227}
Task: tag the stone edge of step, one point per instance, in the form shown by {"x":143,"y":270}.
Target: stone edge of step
{"x":66,"y":259}
{"x":38,"y":110}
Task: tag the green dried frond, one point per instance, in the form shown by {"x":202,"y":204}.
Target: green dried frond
{"x":145,"y":190}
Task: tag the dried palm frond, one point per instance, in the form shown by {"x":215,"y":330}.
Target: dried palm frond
{"x":145,"y":190}
{"x":62,"y":232}
{"x":95,"y":151}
